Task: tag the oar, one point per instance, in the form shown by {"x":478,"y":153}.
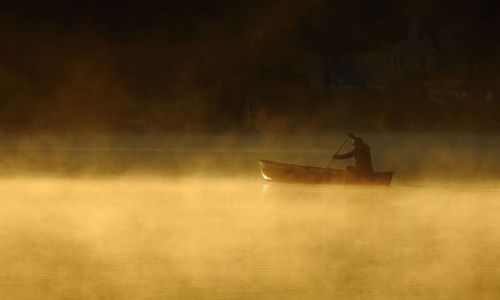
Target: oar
{"x":340,"y":148}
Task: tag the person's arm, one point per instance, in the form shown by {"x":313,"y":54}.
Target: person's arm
{"x":345,"y":155}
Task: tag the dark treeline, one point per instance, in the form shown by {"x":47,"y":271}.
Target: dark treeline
{"x":204,"y":66}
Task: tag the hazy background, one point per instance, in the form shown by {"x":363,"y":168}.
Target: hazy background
{"x":252,"y":66}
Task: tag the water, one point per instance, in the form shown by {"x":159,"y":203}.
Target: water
{"x":221,"y":237}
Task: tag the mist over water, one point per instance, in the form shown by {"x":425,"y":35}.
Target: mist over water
{"x":154,"y":219}
{"x":416,"y":158}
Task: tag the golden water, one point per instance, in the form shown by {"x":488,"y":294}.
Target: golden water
{"x":219,"y":238}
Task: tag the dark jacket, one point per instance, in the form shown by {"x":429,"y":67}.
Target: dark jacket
{"x":361,"y":154}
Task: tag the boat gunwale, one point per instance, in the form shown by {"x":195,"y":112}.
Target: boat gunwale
{"x":376,"y":178}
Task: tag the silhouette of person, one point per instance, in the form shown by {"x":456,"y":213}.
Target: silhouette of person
{"x":361,"y":154}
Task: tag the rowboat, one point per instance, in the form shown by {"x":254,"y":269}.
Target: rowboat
{"x":282,"y":172}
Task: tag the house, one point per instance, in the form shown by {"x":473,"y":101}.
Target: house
{"x":416,"y":53}
{"x":413,"y":54}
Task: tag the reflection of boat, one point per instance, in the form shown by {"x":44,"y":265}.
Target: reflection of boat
{"x":276,"y":171}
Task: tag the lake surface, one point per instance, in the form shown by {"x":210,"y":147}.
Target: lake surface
{"x":235,"y":237}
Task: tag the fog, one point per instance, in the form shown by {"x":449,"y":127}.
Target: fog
{"x":130,"y":133}
{"x":417,"y":159}
{"x":190,"y":218}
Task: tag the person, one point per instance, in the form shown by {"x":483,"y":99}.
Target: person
{"x":361,"y":154}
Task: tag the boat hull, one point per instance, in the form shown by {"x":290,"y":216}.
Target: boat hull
{"x":282,"y":172}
